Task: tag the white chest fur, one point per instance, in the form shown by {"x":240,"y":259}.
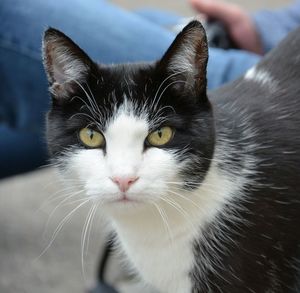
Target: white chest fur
{"x":158,"y":234}
{"x":163,"y":254}
{"x":162,"y":258}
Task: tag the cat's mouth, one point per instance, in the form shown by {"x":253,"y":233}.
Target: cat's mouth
{"x":125,"y":199}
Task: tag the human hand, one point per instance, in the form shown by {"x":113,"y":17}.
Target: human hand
{"x":237,"y":21}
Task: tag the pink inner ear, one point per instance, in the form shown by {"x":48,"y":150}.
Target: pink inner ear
{"x":64,"y":61}
{"x":58,"y":73}
{"x":67,"y":67}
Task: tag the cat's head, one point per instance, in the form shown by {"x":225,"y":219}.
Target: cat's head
{"x":130,"y":133}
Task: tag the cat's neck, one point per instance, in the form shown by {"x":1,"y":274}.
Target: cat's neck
{"x":172,"y":229}
{"x":190,"y":210}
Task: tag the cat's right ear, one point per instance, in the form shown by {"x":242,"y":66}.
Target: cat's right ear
{"x":65,"y":63}
{"x":185,"y":62}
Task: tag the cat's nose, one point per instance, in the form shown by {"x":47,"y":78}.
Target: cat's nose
{"x":124,"y":183}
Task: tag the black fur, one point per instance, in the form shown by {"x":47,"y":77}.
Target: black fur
{"x":261,"y":255}
{"x":259,"y":250}
{"x":190,"y":114}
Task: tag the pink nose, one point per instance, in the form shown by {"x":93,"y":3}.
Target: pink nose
{"x":124,"y":183}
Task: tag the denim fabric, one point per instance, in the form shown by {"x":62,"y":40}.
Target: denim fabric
{"x":108,"y":33}
{"x":274,"y":25}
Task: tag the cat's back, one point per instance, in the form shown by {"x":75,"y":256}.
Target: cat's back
{"x":258,"y":117}
{"x":266,"y":100}
{"x":272,"y":86}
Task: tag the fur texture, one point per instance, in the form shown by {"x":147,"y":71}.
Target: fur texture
{"x":216,"y":209}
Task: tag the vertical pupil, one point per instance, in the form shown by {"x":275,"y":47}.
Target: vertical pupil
{"x":91,"y":134}
{"x":159,"y":133}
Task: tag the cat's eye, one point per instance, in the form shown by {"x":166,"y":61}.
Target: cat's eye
{"x":160,"y":136}
{"x":91,"y":138}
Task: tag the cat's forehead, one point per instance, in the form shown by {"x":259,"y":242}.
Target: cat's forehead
{"x":123,"y":91}
{"x":127,"y":121}
{"x":115,"y":85}
{"x":127,"y":76}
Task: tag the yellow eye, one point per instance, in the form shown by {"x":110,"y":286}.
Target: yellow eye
{"x":160,"y":136}
{"x":91,"y":138}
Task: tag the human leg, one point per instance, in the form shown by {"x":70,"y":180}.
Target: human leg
{"x":108,"y":34}
{"x":20,"y":151}
{"x":223,"y":65}
{"x":227,"y":65}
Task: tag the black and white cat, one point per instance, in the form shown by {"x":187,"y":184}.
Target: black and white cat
{"x":202,"y":191}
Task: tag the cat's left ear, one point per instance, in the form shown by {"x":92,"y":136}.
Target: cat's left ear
{"x":185,"y":62}
{"x":65,"y":63}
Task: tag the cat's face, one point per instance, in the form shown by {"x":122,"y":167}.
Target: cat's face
{"x":134,"y":133}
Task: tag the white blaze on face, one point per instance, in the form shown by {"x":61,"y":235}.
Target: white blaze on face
{"x":151,"y":235}
{"x":125,"y":138}
{"x":125,"y":156}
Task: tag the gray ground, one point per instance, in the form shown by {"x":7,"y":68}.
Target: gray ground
{"x":25,"y":208}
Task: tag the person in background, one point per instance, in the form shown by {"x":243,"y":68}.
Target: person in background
{"x":108,"y":34}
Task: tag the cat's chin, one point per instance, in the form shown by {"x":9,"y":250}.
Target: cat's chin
{"x":124,"y":204}
{"x":125,"y":200}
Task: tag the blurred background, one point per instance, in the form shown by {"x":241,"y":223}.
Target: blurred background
{"x":180,"y":6}
{"x":26,"y":203}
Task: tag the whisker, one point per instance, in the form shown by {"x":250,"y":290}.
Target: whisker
{"x":89,"y":98}
{"x":93,"y":98}
{"x":58,"y":206}
{"x":162,"y":83}
{"x":179,"y":209}
{"x":60,"y":226}
{"x":99,"y":202}
{"x":173,"y":82}
{"x":57,"y":195}
{"x":83,"y":239}
{"x":186,"y":198}
{"x":85,"y":104}
{"x":165,"y":220}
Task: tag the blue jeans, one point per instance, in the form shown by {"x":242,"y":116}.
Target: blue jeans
{"x":107,"y":33}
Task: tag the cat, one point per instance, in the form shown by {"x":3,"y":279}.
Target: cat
{"x":201,"y":189}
